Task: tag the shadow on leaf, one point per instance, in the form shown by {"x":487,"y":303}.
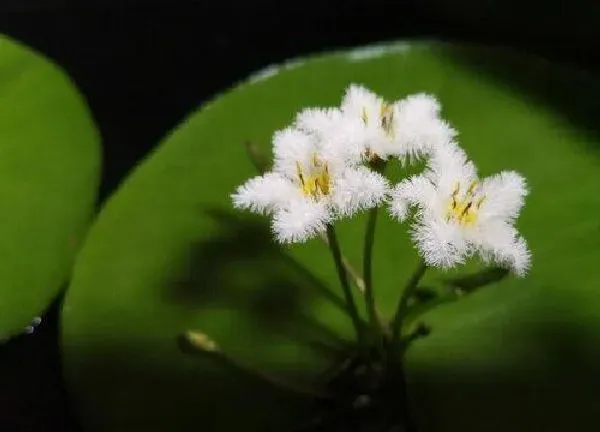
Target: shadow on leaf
{"x":242,"y":268}
{"x":201,"y":394}
{"x":550,"y":385}
{"x":243,"y":246}
{"x":573,"y":93}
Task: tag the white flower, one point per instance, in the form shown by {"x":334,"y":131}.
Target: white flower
{"x":458,"y":215}
{"x":366,"y":126}
{"x":308,"y":188}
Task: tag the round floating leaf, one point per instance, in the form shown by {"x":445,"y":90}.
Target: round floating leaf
{"x":49,"y":171}
{"x":169,"y":254}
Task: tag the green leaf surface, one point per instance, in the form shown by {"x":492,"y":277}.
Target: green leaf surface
{"x":49,"y":172}
{"x":169,"y":254}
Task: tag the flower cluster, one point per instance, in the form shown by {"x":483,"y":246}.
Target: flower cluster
{"x":323,"y":170}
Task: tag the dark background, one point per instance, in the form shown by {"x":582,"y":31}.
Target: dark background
{"x":143,"y":65}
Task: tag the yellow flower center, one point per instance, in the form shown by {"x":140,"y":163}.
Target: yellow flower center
{"x":463,"y":210}
{"x":314,"y":182}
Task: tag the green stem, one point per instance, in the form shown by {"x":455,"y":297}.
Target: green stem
{"x":368,"y":267}
{"x":356,"y":278}
{"x":409,"y":289}
{"x":376,"y":322}
{"x":343,"y":276}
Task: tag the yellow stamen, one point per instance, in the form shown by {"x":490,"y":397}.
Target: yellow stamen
{"x":480,"y":201}
{"x":463,"y":210}
{"x":317,"y":183}
{"x":456,"y":189}
{"x":364,"y":116}
{"x":455,"y":194}
{"x":300,"y":173}
{"x":387,"y":118}
{"x":472,"y":188}
{"x":324,"y":180}
{"x":315,"y":161}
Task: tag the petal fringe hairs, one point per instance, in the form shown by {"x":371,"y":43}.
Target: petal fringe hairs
{"x":324,"y":170}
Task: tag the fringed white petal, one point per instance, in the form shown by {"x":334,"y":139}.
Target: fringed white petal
{"x":415,"y":191}
{"x":500,"y":243}
{"x":340,"y":138}
{"x":358,"y":189}
{"x":448,"y":165}
{"x":505,"y":195}
{"x":263,"y":194}
{"x":290,"y":147}
{"x":440,"y":244}
{"x":420,"y":105}
{"x":418,"y":127}
{"x":358,"y":100}
{"x":300,"y":220}
{"x":321,"y":121}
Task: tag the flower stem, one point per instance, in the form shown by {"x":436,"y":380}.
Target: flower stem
{"x":368,"y":267}
{"x":358,"y":280}
{"x":352,"y":272}
{"x":375,"y":319}
{"x":343,"y":276}
{"x":409,"y":289}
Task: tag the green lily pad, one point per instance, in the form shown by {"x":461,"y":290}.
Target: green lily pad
{"x":49,"y":172}
{"x":168,"y":254}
